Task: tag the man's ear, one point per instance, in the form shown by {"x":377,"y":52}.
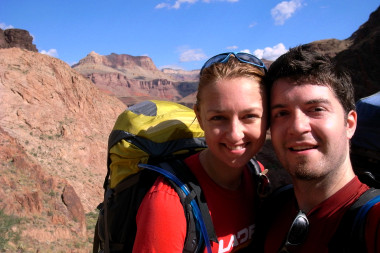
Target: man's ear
{"x":197,"y":113}
{"x":352,"y":119}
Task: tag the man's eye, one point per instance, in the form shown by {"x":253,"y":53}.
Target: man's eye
{"x":318,"y":109}
{"x":279,"y":114}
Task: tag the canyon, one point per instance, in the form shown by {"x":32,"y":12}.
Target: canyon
{"x":55,"y":121}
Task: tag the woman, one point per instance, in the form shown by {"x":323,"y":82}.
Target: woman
{"x":231,"y":108}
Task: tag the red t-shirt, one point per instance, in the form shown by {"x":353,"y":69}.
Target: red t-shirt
{"x":161,"y":223}
{"x":324,"y":220}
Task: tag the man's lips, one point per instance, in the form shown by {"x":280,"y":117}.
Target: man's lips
{"x":302,"y":147}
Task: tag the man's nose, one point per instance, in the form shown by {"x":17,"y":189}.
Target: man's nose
{"x":300,"y":123}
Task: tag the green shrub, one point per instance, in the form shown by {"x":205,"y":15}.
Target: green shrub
{"x":6,"y":232}
{"x":91,"y":219}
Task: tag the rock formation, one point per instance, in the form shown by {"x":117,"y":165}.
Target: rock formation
{"x":182,"y":75}
{"x":17,"y":38}
{"x":362,"y":58}
{"x":30,"y":192}
{"x":54,"y":129}
{"x":134,"y":78}
{"x":359,"y":54}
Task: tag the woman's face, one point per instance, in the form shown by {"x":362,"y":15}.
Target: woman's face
{"x":232,"y":113}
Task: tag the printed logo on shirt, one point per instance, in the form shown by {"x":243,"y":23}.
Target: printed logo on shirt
{"x":229,"y":242}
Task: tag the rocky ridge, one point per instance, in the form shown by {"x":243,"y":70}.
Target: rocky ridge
{"x":29,"y":192}
{"x":362,"y":57}
{"x":17,"y":38}
{"x":359,"y":54}
{"x":59,"y":122}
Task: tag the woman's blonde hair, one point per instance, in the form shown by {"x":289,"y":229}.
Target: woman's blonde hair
{"x":233,"y":68}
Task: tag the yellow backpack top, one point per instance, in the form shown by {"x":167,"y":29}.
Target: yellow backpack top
{"x":151,"y":131}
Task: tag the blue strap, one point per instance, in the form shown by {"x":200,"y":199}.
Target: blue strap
{"x":362,"y":213}
{"x":197,"y":212}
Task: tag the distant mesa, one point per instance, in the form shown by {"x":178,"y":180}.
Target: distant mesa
{"x":136,"y":78}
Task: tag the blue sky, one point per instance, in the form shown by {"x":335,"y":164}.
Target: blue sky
{"x":181,"y":33}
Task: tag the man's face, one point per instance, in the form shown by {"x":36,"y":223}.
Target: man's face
{"x":310,"y":132}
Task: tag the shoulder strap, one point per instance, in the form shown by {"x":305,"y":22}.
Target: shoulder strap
{"x":350,"y":235}
{"x":270,"y":205}
{"x":195,"y":206}
{"x":182,"y":171}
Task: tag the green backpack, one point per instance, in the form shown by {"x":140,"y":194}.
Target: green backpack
{"x":150,"y":139}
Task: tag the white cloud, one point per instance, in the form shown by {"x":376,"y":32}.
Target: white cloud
{"x":245,"y":51}
{"x":188,"y":55}
{"x":285,"y":10}
{"x":269,"y":53}
{"x":162,"y":5}
{"x":51,"y":52}
{"x":177,"y":4}
{"x":232,"y":48}
{"x":72,"y":63}
{"x":230,"y":1}
{"x":4,"y":26}
{"x":252,"y":24}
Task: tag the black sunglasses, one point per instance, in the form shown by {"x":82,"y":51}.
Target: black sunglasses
{"x":297,"y":233}
{"x":242,"y":57}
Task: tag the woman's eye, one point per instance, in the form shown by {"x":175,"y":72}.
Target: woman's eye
{"x":217,"y":117}
{"x":251,"y":116}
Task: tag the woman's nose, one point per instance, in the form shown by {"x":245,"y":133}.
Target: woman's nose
{"x":235,"y":131}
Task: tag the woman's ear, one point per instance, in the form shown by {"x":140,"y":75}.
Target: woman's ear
{"x":197,"y":113}
{"x":352,"y":119}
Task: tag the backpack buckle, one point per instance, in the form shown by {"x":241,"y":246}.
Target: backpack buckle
{"x":264,"y":187}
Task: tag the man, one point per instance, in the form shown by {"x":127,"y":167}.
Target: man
{"x":312,"y":121}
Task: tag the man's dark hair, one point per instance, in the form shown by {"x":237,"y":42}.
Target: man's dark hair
{"x":302,"y":64}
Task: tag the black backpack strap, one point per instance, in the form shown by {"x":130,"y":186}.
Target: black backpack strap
{"x":96,"y":242}
{"x":270,"y":205}
{"x":116,"y":226}
{"x":350,"y":235}
{"x":262,"y":181}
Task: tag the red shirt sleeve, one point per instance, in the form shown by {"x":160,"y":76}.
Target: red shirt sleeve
{"x":161,"y":222}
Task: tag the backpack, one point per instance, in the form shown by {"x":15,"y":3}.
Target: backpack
{"x":365,"y":144}
{"x":149,"y":139}
{"x":350,"y":235}
{"x":348,"y":238}
{"x":365,"y":158}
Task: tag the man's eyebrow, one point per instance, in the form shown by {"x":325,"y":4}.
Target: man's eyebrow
{"x":318,"y":101}
{"x":277,"y":106}
{"x":310,"y":102}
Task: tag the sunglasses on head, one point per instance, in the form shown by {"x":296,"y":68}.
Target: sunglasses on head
{"x":242,"y":57}
{"x":297,"y":233}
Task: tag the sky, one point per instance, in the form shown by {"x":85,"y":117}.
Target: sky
{"x":181,"y":34}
